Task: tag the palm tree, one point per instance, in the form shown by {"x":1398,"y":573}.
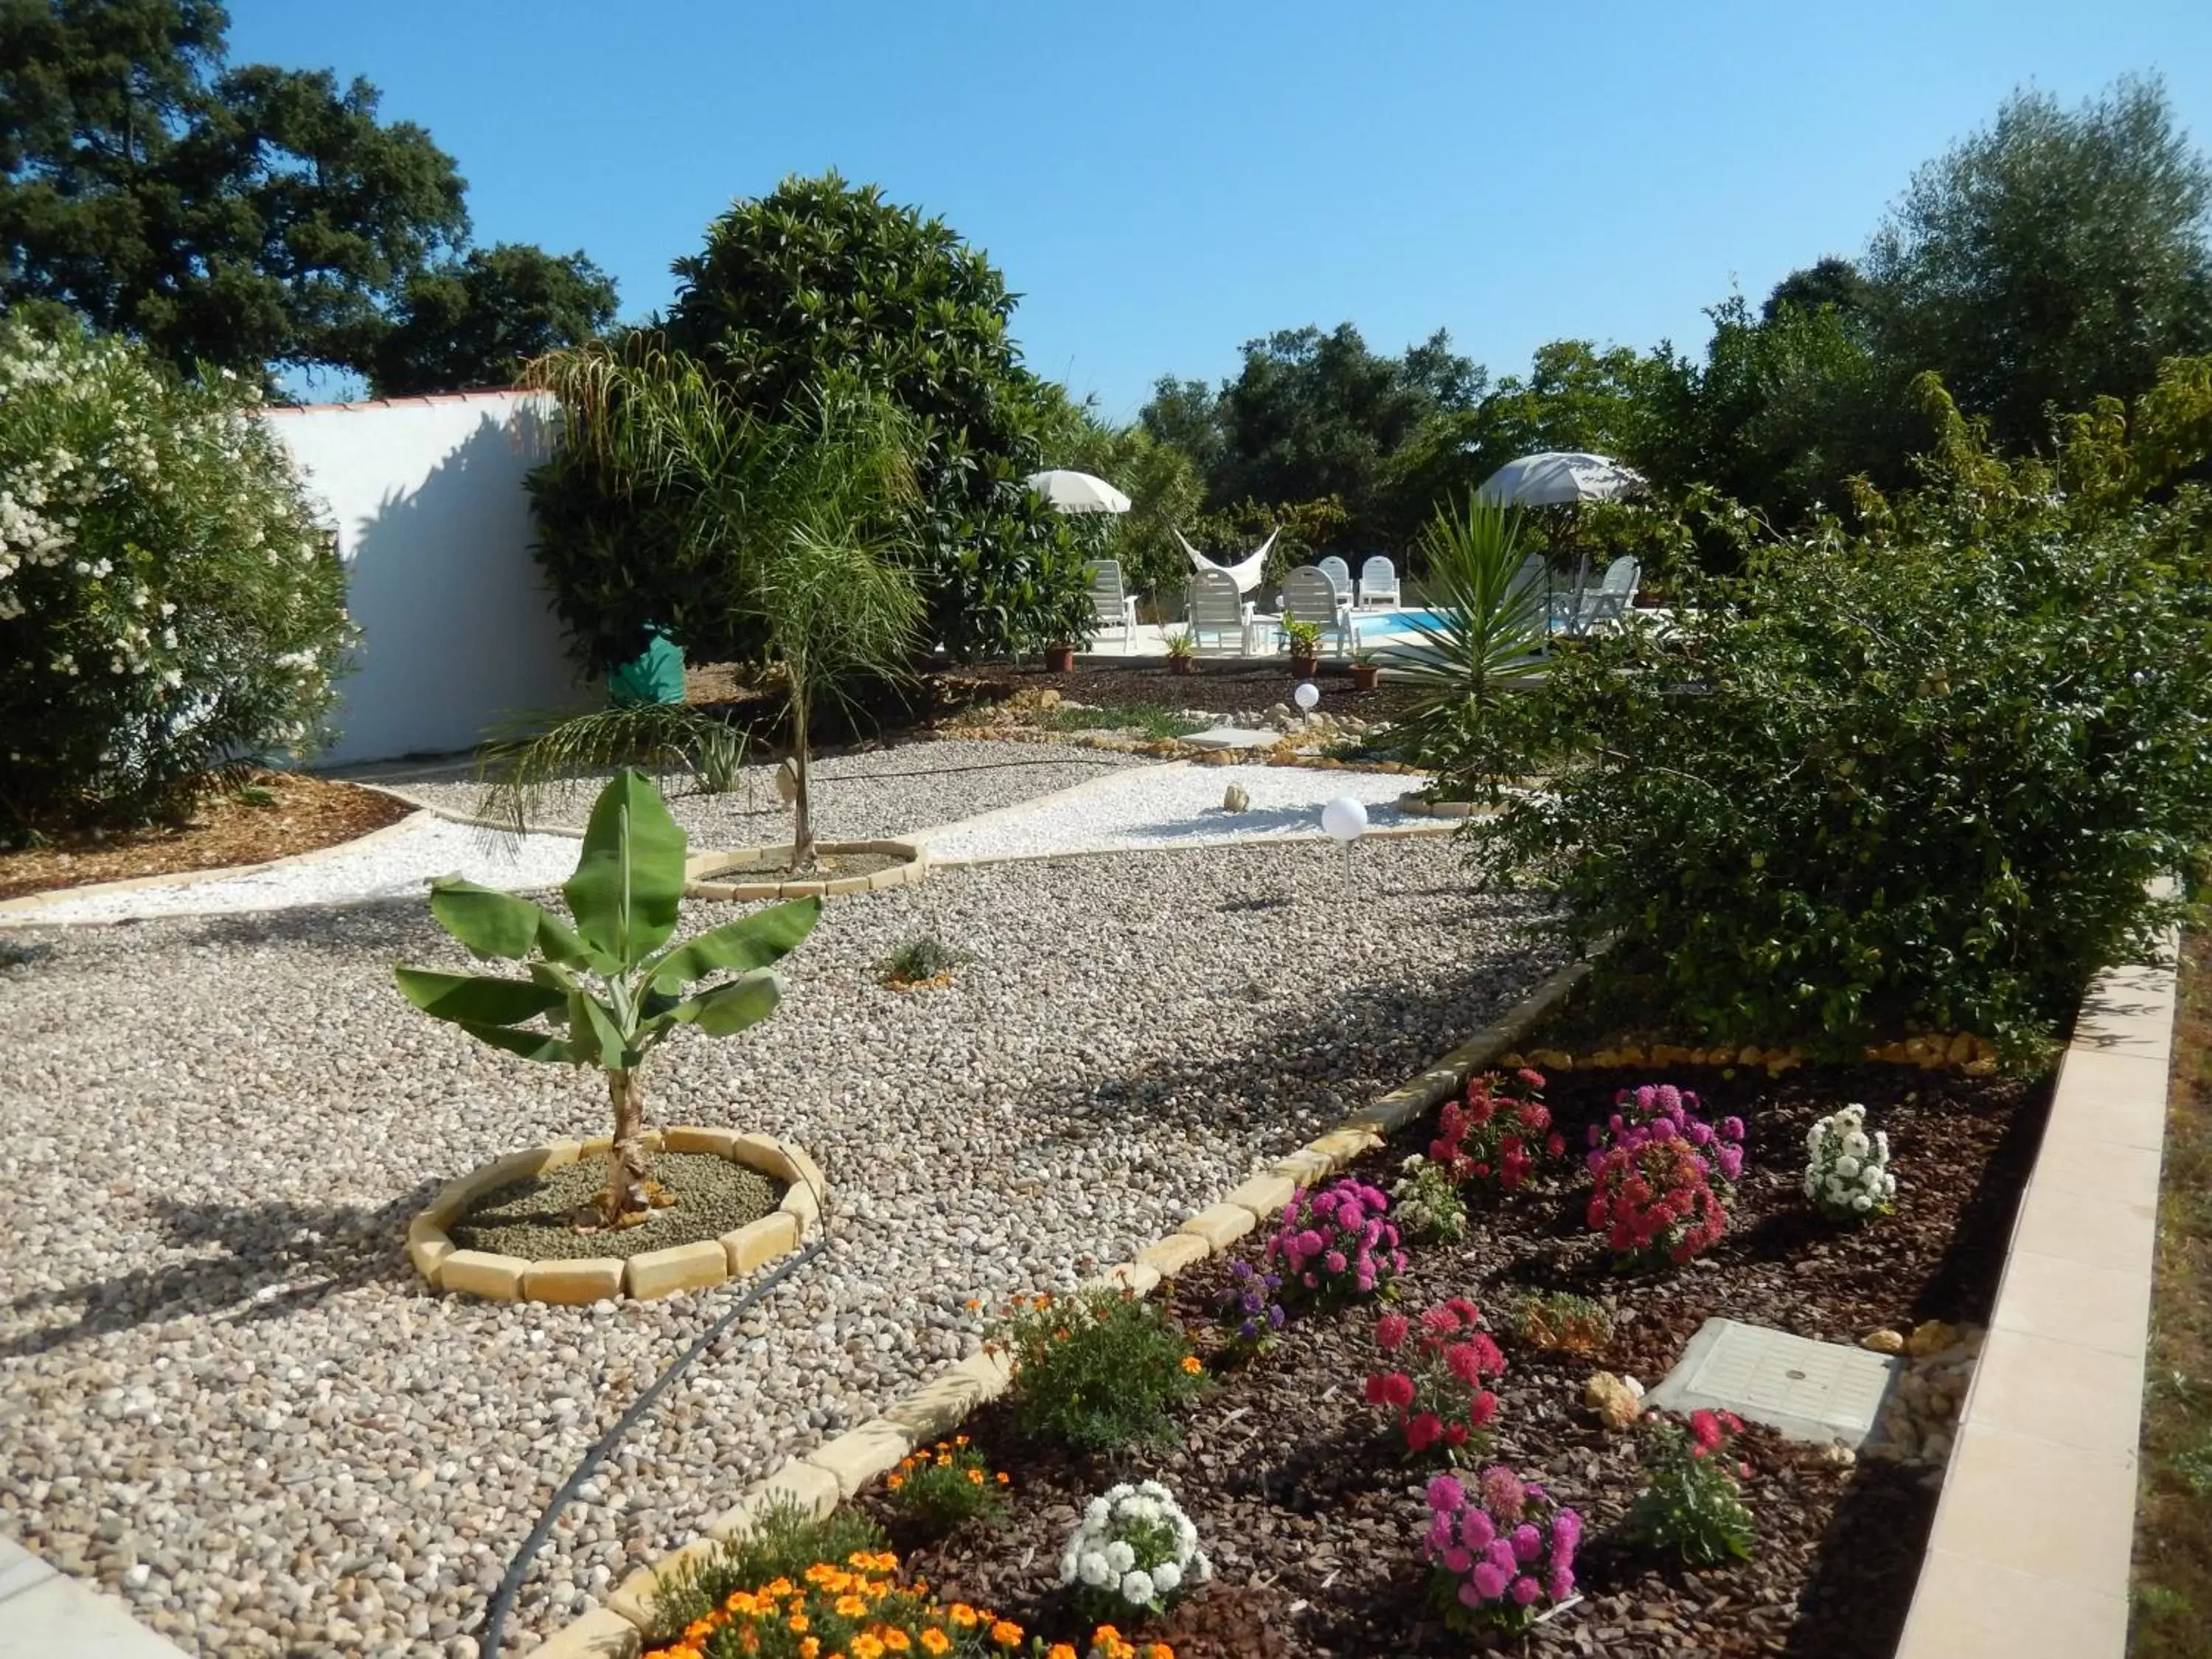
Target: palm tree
{"x":805,"y":513}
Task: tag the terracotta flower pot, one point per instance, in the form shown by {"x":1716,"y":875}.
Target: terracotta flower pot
{"x":1363,"y":676}
{"x":1182,"y":665}
{"x":1304,"y":668}
{"x":1060,"y":659}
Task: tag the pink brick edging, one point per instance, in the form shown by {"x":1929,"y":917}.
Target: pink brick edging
{"x":2028,"y":1558}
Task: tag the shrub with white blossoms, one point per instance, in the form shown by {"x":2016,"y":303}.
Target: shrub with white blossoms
{"x":1847,"y":1170}
{"x":1134,"y":1548}
{"x":168,"y":604}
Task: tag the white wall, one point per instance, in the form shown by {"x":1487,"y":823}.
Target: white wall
{"x":434,"y":529}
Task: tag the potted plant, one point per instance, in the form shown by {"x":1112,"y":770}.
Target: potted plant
{"x":1364,"y":671}
{"x":1060,"y":659}
{"x":1305,"y":645}
{"x":1182,"y":651}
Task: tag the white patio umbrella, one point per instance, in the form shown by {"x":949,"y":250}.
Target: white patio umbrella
{"x":1556,"y":477}
{"x":1077,"y":492}
{"x":1561,"y":477}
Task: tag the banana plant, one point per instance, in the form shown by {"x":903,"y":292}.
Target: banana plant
{"x":607,"y":987}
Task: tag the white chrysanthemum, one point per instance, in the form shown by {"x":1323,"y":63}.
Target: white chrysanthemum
{"x":1099,"y":1512}
{"x":1121,"y":1556}
{"x":1856,"y":1144}
{"x":1167,"y":1577}
{"x":1094,"y":1571}
{"x":1137,"y":1589}
{"x":1847,"y":1166}
{"x":1862,"y":1204}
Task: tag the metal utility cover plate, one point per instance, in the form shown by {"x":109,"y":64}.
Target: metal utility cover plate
{"x":1807,"y":1390}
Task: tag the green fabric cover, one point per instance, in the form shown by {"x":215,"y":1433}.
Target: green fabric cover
{"x":654,"y":675}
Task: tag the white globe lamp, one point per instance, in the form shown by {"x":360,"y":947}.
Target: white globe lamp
{"x":1344,"y":820}
{"x":1306,"y":696}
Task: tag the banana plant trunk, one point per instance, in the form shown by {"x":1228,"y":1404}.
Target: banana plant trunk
{"x":802,"y":828}
{"x":626,"y":1159}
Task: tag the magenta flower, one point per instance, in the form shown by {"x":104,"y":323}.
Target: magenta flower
{"x":1490,"y":1580}
{"x":1445,"y":1492}
{"x":1528,"y":1543}
{"x":1475,"y":1529}
{"x":1525,"y":1590}
{"x":1562,"y":1584}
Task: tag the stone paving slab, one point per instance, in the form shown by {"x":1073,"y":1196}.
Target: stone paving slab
{"x":1807,"y":1390}
{"x":54,"y":1617}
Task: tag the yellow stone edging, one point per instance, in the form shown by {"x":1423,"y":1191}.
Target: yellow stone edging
{"x":573,"y":1281}
{"x":1415,"y":806}
{"x":25,"y":908}
{"x":838,"y":1468}
{"x":701,"y":867}
{"x":2052,"y":1419}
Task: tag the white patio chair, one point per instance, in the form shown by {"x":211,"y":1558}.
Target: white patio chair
{"x":1606,"y":603}
{"x":1310,"y":595}
{"x":1378,"y":583}
{"x":1218,"y":609}
{"x":1337,"y":571}
{"x":1113,"y":607}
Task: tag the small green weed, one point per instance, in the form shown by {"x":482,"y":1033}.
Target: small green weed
{"x":926,"y":960}
{"x":254,"y":794}
{"x":1561,"y":1320}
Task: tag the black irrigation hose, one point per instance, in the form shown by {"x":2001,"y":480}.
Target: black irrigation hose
{"x":502,"y":1601}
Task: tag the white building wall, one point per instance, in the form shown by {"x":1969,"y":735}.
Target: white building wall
{"x":434,"y":528}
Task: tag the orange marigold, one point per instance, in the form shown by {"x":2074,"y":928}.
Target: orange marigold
{"x":851,"y":1607}
{"x":1192,"y":1363}
{"x":961,"y":1614}
{"x":935,"y":1641}
{"x":1006,"y":1634}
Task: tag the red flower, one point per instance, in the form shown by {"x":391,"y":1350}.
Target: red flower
{"x":1377,"y":1393}
{"x":1555,"y":1144}
{"x":1424,"y":1431}
{"x":1455,"y":1434}
{"x":1482,"y":1408}
{"x":1398,"y":1390}
{"x":1389,"y":1331}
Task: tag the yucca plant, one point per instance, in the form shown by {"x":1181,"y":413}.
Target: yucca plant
{"x":1487,"y":627}
{"x":609,"y":988}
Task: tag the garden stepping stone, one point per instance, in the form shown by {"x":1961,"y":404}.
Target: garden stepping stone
{"x":1233,"y":736}
{"x":1801,"y":1389}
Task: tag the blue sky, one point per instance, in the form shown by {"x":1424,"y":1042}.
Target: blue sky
{"x":1163,"y":181}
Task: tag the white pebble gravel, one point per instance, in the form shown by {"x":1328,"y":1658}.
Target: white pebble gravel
{"x":1177,"y":804}
{"x":399,"y":863}
{"x":230,"y":1402}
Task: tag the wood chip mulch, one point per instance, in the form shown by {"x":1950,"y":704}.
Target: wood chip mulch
{"x":303,"y":815}
{"x":1312,"y":1513}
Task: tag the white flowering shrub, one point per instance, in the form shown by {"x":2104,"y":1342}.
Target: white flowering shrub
{"x":167,"y":603}
{"x":1846,"y":1170}
{"x":1134,"y":1549}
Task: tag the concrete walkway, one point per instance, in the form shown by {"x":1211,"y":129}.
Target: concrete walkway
{"x":44,"y":1613}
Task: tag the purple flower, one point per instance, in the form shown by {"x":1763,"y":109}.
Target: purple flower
{"x":1525,"y":1590}
{"x":1732,"y":1127}
{"x":1490,"y":1580}
{"x":1445,"y":1492}
{"x":1700,"y":1132}
{"x":1731,"y":1157}
{"x":1275,"y":1316}
{"x":1240,"y":1269}
{"x":1663,"y":1128}
{"x":1528,"y":1543}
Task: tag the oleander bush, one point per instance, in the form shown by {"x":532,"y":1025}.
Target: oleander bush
{"x":169,"y":605}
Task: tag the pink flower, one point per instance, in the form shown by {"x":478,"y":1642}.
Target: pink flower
{"x":1499,"y":1554}
{"x":1567,"y":1533}
{"x":1335,"y":1262}
{"x":1482,"y":1408}
{"x":1489,"y":1580}
{"x":1503,"y":1494}
{"x":1445,"y":1492}
{"x":1390,"y":1330}
{"x":1309,"y":1243}
{"x":1732,"y":1129}
{"x":1528,"y":1543}
{"x":1563,"y":1583}
{"x":1469,"y":1596}
{"x":1525,"y":1589}
{"x":1476,"y":1529}
{"x":1398,"y":1390}
{"x":1455,"y":1434}
{"x":1456,"y":1560}
{"x":1555,"y":1144}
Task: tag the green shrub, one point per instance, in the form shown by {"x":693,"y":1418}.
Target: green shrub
{"x":169,"y":606}
{"x":1691,"y":1505}
{"x":943,"y":1486}
{"x":785,"y":1540}
{"x":1912,"y":778}
{"x":1098,"y":1371}
{"x":921,"y":961}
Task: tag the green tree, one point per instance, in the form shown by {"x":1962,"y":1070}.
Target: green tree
{"x":791,"y":529}
{"x":2058,"y":256}
{"x":241,"y":217}
{"x":1831,"y":280}
{"x":821,"y":281}
{"x":478,"y":320}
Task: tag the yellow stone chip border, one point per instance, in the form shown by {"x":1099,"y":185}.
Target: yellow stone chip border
{"x":576,"y":1281}
{"x":700,"y":869}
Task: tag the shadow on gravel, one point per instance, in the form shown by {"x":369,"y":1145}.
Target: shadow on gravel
{"x":275,"y":1258}
{"x":1324,"y":1057}
{"x":384,"y":926}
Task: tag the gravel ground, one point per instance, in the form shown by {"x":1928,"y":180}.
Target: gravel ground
{"x":1178,"y":804}
{"x":865,"y":795}
{"x":400,"y":864}
{"x":229,"y":1402}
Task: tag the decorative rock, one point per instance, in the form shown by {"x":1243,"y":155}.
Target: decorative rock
{"x":574,"y":1283}
{"x":813,"y":1490}
{"x":751,"y":1245}
{"x":1930,"y":1336}
{"x":679,"y":1268}
{"x":1303,"y":1168}
{"x":1264,"y":1195}
{"x":481,"y":1272}
{"x":1236,"y":798}
{"x":801,"y":1204}
{"x":1883,"y":1341}
{"x":1618,"y":1400}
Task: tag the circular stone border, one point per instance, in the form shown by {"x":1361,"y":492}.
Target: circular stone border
{"x":650,"y":1273}
{"x":701,"y":870}
{"x":1415,"y":806}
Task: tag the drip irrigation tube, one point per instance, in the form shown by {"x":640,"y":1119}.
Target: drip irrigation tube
{"x":502,"y":1601}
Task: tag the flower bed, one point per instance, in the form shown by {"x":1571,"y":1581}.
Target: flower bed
{"x":1323,"y":1529}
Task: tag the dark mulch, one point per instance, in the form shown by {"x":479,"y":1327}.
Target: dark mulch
{"x":1311,"y":1514}
{"x":277,"y":815}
